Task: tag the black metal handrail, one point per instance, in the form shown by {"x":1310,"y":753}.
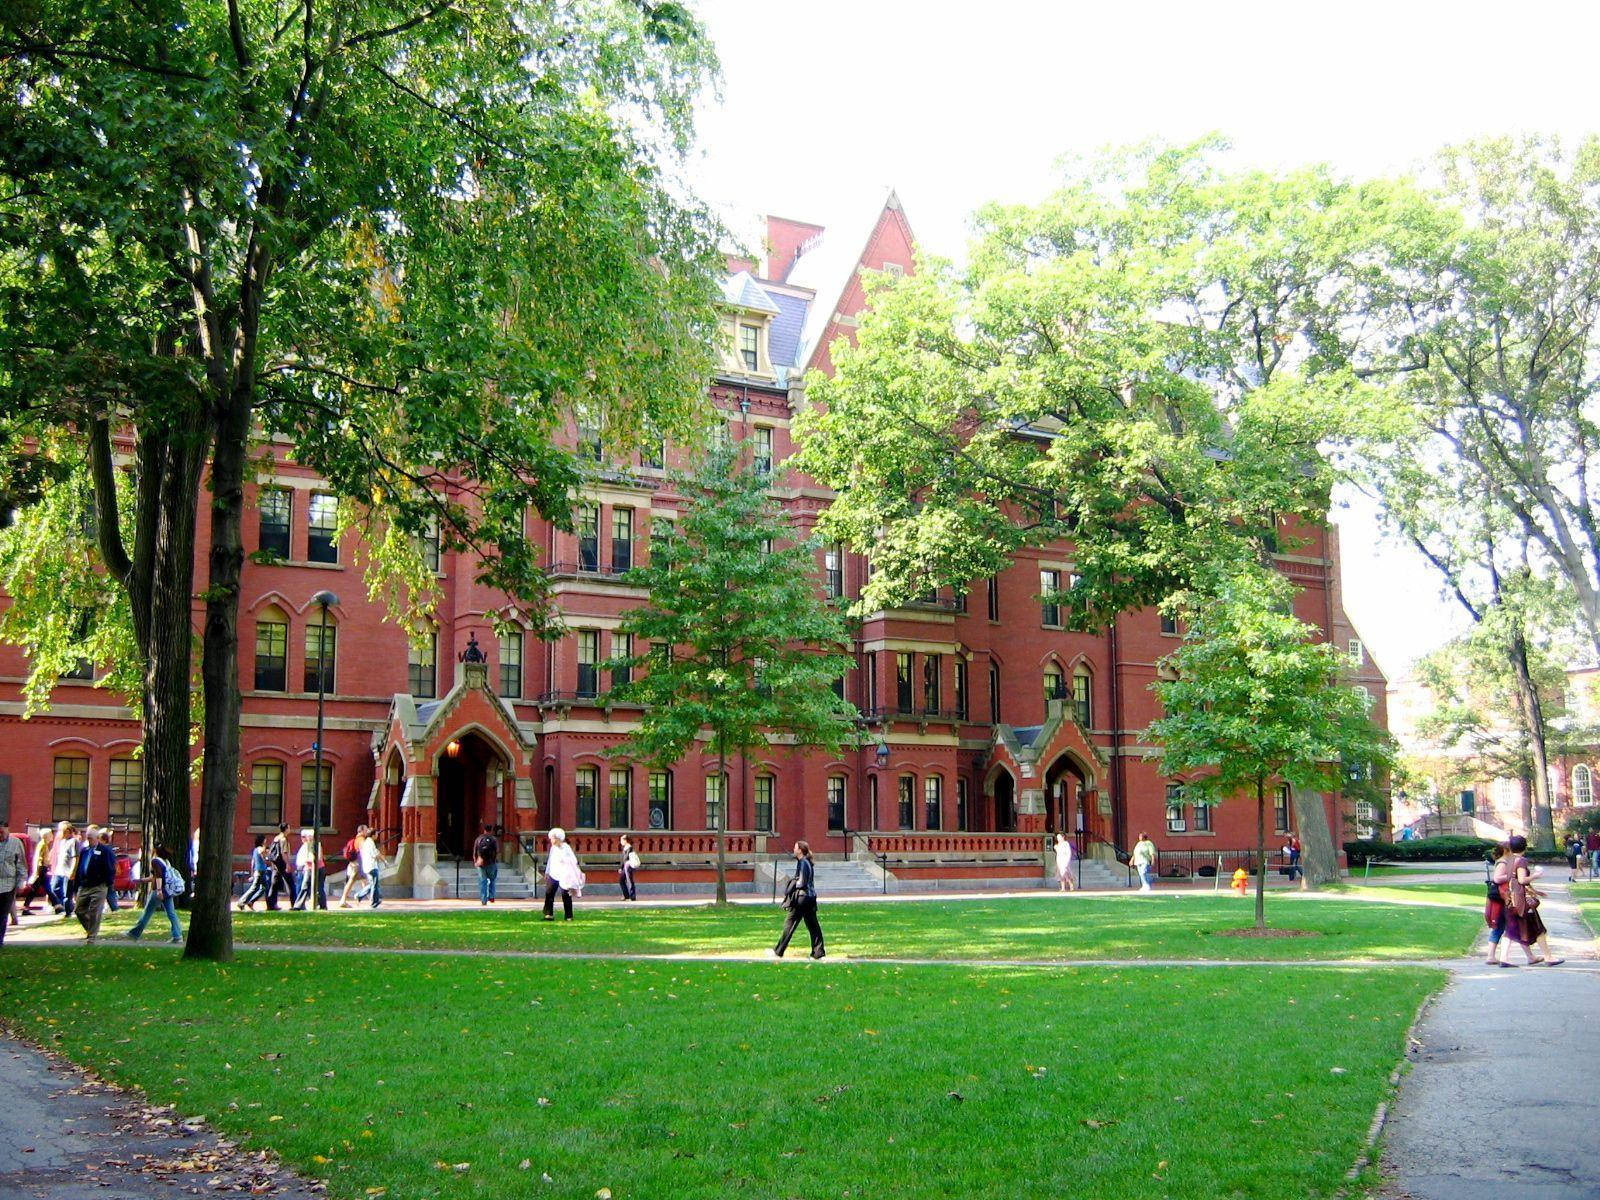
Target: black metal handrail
{"x":897,"y":713}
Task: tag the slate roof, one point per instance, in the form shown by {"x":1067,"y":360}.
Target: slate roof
{"x":744,"y":292}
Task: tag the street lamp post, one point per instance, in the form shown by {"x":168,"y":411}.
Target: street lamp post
{"x":323,"y":599}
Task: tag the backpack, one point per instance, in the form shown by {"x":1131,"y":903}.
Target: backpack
{"x":275,"y":852}
{"x":172,"y":878}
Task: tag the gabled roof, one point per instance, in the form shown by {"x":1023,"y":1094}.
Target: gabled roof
{"x":742,"y":291}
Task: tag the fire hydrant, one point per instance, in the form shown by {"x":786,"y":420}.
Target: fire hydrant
{"x":1241,"y":878}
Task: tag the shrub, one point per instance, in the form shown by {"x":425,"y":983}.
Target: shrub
{"x":1434,"y":849}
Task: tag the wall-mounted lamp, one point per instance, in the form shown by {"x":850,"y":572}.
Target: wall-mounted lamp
{"x":882,"y":753}
{"x":452,"y":749}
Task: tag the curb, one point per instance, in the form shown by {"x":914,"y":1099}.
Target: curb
{"x":1380,"y":1116}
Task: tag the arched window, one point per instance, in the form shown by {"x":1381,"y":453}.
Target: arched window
{"x":766,"y":802}
{"x":1582,"y":785}
{"x":321,"y":641}
{"x":908,"y":792}
{"x":272,"y":648}
{"x":660,"y":800}
{"x":1082,"y":705}
{"x":836,"y":793}
{"x":69,"y":794}
{"x":1055,"y":684}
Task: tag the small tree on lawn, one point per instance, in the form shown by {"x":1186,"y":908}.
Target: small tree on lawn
{"x":735,"y":638}
{"x":1254,"y":700}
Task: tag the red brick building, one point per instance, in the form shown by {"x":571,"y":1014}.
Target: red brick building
{"x":988,"y":724}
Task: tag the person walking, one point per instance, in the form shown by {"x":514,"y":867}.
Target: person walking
{"x":1144,"y":860}
{"x":1574,"y":853}
{"x":13,"y":872}
{"x":486,"y":857}
{"x":310,"y":864}
{"x":64,"y":868}
{"x":278,"y":864}
{"x":352,"y":866}
{"x":39,"y":881}
{"x":260,"y":876}
{"x":1494,"y":907}
{"x":627,"y":864}
{"x":1592,"y":845}
{"x":561,"y":874}
{"x":1523,"y":923}
{"x":1065,"y":871}
{"x":1291,"y":852}
{"x":97,"y":875}
{"x":166,"y":885}
{"x":800,"y":898}
{"x":372,"y":868}
{"x":103,"y":836}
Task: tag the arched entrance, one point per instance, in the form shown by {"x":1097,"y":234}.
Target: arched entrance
{"x":471,"y":771}
{"x":1004,"y":817}
{"x":1066,"y":797}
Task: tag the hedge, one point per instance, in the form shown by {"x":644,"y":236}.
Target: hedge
{"x":1434,"y":849}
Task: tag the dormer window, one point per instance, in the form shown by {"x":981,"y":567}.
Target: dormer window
{"x":750,"y":346}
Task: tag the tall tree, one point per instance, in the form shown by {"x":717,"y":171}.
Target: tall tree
{"x":1500,"y":320}
{"x":1147,"y":364}
{"x":1253,"y":701}
{"x":406,"y":239}
{"x":1479,"y":713}
{"x":736,"y":643}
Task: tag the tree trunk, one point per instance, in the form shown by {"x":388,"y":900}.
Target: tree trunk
{"x":1319,"y":852}
{"x":1261,"y":854}
{"x":722,"y":823}
{"x":169,"y":652}
{"x":1539,"y":823}
{"x":211,"y":929}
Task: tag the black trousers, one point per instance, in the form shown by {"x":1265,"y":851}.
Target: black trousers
{"x":551,"y":887}
{"x":625,"y":881}
{"x":6,"y":901}
{"x":805,"y":911}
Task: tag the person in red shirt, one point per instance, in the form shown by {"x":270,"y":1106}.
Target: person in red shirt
{"x":1592,"y":846}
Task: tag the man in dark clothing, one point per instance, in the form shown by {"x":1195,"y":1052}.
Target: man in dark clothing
{"x":486,"y":857}
{"x":13,"y":872}
{"x":278,"y":863}
{"x":97,"y":875}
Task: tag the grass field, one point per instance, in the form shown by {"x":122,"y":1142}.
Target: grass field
{"x":1588,"y":897}
{"x":422,"y":1078}
{"x":1435,"y":921}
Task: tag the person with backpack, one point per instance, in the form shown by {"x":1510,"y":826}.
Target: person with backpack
{"x":278,"y":864}
{"x":260,"y":876}
{"x":352,"y":866}
{"x":39,"y":881}
{"x":166,"y":885}
{"x":486,"y":857}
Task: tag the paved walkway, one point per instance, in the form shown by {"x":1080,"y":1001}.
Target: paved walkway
{"x":64,"y":1136}
{"x":1501,"y":1099}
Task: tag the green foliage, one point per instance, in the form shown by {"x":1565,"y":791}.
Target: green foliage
{"x":408,"y":242}
{"x":62,"y":609}
{"x":1251,"y":700}
{"x":1493,"y":341}
{"x":734,"y":640}
{"x":1581,"y":821}
{"x":1450,"y":848}
{"x":1149,"y":364}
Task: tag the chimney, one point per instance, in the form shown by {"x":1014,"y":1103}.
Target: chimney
{"x":786,"y":241}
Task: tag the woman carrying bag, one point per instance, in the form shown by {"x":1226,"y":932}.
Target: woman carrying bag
{"x":800,"y":898}
{"x":561,"y":874}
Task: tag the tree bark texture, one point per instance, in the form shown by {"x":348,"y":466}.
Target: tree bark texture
{"x":1319,"y":852}
{"x":722,"y":824}
{"x":211,"y":928}
{"x":1540,"y":825}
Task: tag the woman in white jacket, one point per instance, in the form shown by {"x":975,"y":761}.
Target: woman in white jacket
{"x":561,"y":874}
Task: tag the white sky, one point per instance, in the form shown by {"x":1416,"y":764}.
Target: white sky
{"x":826,"y":103}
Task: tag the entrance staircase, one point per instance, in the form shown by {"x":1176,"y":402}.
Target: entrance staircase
{"x":834,"y":877}
{"x":510,"y":884}
{"x":1097,"y":875}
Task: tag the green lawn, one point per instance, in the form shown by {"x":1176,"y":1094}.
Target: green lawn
{"x":1458,"y":893}
{"x":382,"y":1073}
{"x":1588,"y":897}
{"x":1046,"y":927}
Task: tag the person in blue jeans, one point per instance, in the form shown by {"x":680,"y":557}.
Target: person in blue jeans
{"x":164,"y":891}
{"x":260,"y":876}
{"x":486,"y":857}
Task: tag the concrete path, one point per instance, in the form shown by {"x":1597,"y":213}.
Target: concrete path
{"x":1501,"y":1099}
{"x":64,"y":1136}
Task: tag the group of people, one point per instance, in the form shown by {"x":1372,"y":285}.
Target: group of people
{"x":274,"y":871}
{"x":1511,"y":909}
{"x":1583,"y":854}
{"x":76,"y":873}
